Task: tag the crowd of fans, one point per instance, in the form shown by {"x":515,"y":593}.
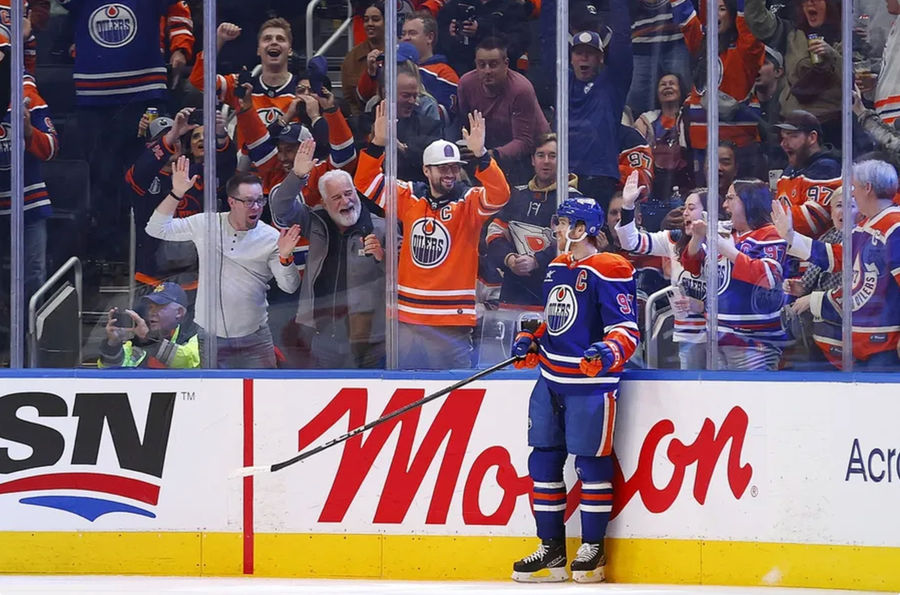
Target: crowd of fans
{"x":299,"y":152}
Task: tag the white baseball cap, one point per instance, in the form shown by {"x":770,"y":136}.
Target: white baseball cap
{"x":441,"y":152}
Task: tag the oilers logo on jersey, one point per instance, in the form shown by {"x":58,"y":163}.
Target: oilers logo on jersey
{"x":269,"y":114}
{"x":529,"y":239}
{"x":865,"y":280}
{"x":429,"y":243}
{"x":112,"y":25}
{"x":561,"y":309}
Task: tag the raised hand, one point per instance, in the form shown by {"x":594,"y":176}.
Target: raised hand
{"x":181,"y":183}
{"x":632,"y":192}
{"x":783,"y":220}
{"x":226,"y":32}
{"x":180,"y":126}
{"x":303,"y":160}
{"x":312,"y":106}
{"x":474,"y":136}
{"x":379,"y":128}
{"x":325,"y":99}
{"x":221,"y":131}
{"x":246,"y":102}
{"x":698,"y":229}
{"x":143,"y":126}
{"x":287,"y":241}
{"x":372,"y":62}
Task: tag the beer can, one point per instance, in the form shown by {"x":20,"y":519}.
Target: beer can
{"x":813,"y":57}
{"x":152,"y":113}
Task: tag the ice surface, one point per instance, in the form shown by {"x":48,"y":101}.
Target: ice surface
{"x":135,"y":585}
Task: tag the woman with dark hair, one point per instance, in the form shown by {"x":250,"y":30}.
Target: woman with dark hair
{"x":664,"y":130}
{"x":356,"y":59}
{"x":812,"y":65}
{"x":751,"y":265}
{"x":688,"y":290}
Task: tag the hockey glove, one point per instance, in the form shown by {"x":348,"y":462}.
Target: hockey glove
{"x":600,"y":357}
{"x":523,"y":349}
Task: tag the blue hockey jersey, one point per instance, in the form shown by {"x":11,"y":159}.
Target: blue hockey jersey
{"x":750,"y":289}
{"x":118,"y":57}
{"x":586,"y":301}
{"x":43,"y":146}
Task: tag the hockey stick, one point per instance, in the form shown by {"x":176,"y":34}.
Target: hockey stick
{"x":248,"y":471}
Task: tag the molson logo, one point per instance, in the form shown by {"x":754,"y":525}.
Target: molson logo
{"x":100,"y":487}
{"x":453,"y":427}
{"x":112,"y":25}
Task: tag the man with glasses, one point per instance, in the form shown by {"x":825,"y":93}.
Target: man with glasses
{"x":248,"y":256}
{"x":442,"y":221}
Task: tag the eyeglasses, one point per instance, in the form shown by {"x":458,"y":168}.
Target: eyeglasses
{"x":252,"y":202}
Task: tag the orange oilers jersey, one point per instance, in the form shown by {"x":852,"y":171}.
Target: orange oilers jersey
{"x":263,"y":151}
{"x":30,"y":47}
{"x":270,"y":103}
{"x":808,"y":191}
{"x":634,"y":155}
{"x":438,"y":267}
{"x":180,"y":27}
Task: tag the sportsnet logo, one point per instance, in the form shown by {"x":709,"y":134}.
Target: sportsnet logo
{"x":68,"y":460}
{"x":112,"y":25}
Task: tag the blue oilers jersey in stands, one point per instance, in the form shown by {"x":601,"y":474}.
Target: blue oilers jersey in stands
{"x":750,"y":289}
{"x":875,"y":291}
{"x":118,"y":58}
{"x":654,"y":30}
{"x":586,"y":301}
{"x":42,"y":146}
{"x":522,"y":227}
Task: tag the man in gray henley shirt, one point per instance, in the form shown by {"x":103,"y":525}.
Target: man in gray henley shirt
{"x":248,"y":256}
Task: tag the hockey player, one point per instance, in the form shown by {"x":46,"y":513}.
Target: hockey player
{"x":442,"y":222}
{"x":875,"y":250}
{"x":589,"y":331}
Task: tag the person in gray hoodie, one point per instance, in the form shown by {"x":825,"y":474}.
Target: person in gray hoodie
{"x":340,"y":314}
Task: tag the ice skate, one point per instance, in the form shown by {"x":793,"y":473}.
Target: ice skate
{"x":589,"y":563}
{"x":546,"y":565}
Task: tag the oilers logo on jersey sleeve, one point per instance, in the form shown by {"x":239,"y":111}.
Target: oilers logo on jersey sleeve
{"x":112,"y":25}
{"x":429,"y":243}
{"x":561,"y":309}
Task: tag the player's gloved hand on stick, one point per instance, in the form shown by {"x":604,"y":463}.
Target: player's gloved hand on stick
{"x":600,"y":357}
{"x":525,"y":348}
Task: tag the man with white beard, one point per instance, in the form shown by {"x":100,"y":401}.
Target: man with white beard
{"x":340,"y":315}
